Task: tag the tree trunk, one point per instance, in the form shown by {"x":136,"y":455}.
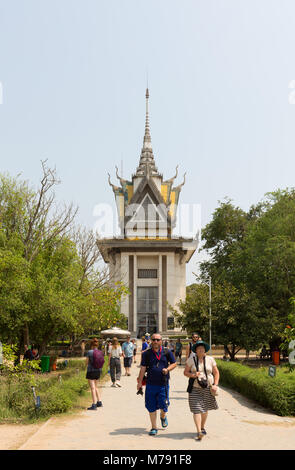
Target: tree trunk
{"x":26,"y":335}
{"x":231,"y":352}
{"x":43,"y":347}
{"x":19,"y":350}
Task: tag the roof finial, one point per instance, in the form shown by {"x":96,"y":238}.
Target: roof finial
{"x":147,"y":156}
{"x":147,"y":142}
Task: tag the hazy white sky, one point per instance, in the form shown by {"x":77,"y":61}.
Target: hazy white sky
{"x":73,"y":75}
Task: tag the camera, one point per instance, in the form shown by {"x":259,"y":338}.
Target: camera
{"x":203,"y":383}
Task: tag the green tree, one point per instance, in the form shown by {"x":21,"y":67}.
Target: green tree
{"x":52,"y":283}
{"x":236,"y":321}
{"x":257,"y":250}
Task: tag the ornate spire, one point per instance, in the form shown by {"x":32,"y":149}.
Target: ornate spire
{"x":147,"y":163}
{"x":147,"y":141}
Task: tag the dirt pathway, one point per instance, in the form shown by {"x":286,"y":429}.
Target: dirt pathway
{"x":123,"y":423}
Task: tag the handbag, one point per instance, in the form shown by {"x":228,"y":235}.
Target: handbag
{"x":190,"y":385}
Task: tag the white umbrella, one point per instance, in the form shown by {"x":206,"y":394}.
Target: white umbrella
{"x":115,"y":332}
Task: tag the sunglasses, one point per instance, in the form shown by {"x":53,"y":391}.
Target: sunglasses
{"x":156,"y":339}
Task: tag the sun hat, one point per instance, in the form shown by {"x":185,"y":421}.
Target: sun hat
{"x":200,"y":343}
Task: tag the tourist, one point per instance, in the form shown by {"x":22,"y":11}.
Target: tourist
{"x":263,"y":353}
{"x":158,"y":363}
{"x":127,"y":349}
{"x":144,"y":345}
{"x":83,"y":343}
{"x":28,"y":355}
{"x":35,"y":352}
{"x":94,"y":371}
{"x":115,"y":352}
{"x":195,"y":338}
{"x":134,"y":350}
{"x":70,"y":350}
{"x":178,"y":350}
{"x":171,"y":346}
{"x":204,"y":375}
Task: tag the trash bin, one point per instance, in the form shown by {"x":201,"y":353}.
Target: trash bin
{"x":52,"y":363}
{"x":276,"y":358}
{"x":45,"y":363}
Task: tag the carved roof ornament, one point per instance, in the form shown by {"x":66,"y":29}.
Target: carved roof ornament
{"x":170,"y":181}
{"x":123,"y":182}
{"x":178,"y":188}
{"x":115,"y":188}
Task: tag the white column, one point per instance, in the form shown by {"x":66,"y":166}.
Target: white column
{"x":160,"y":293}
{"x":124,"y":277}
{"x":135,"y":293}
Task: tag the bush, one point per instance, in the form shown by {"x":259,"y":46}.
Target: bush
{"x":16,"y":396}
{"x":61,"y":397}
{"x":276,"y":393}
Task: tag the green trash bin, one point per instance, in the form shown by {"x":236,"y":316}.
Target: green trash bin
{"x":45,"y":363}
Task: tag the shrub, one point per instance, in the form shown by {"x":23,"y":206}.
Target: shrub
{"x":276,"y":393}
{"x":16,"y":397}
{"x":55,"y":400}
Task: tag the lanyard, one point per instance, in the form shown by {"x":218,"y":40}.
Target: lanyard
{"x":158,"y":356}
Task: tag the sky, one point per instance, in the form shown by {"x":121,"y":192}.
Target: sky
{"x":73,"y":76}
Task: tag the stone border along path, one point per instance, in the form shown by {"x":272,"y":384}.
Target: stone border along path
{"x":123,"y":423}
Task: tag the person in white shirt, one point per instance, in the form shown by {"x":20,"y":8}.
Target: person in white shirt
{"x":115,"y":352}
{"x":204,"y":375}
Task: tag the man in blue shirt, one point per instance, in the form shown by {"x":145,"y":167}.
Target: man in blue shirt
{"x":158,"y":364}
{"x":144,"y":344}
{"x":127,"y":349}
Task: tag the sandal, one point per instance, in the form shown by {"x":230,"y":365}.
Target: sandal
{"x":199,"y":436}
{"x":164,"y":422}
{"x":203,"y":431}
{"x":153,"y":432}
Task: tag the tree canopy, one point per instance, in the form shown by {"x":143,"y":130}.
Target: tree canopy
{"x":252,"y":267}
{"x":52,"y":283}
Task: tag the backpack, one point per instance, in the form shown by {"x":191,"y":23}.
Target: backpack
{"x":98,"y":359}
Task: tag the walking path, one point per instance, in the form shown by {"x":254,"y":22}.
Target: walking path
{"x":123,"y":423}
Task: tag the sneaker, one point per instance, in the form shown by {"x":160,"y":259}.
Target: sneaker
{"x":113,"y":385}
{"x":153,"y":432}
{"x":118,"y":384}
{"x":92,"y":407}
{"x":199,"y":436}
{"x":164,"y":422}
{"x":203,"y":431}
{"x":99,"y":404}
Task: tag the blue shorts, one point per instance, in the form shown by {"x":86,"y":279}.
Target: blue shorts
{"x":155,"y":398}
{"x":128,"y":361}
